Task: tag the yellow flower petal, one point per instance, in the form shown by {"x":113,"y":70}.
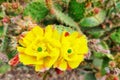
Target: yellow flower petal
{"x":21,"y":49}
{"x":29,"y":36}
{"x":48,"y":31}
{"x":29,"y":51}
{"x":40,"y":68}
{"x":74,"y":64}
{"x":62,"y":65}
{"x":50,"y":63}
{"x":27,"y":60}
{"x":41,"y":55}
{"x":38,"y":31}
{"x":22,"y":43}
{"x":56,"y":35}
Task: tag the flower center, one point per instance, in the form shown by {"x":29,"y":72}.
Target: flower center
{"x":39,"y":49}
{"x":69,"y":50}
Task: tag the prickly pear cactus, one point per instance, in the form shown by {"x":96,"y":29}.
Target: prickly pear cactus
{"x":36,"y":10}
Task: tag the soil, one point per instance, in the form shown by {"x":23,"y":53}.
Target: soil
{"x":28,"y":73}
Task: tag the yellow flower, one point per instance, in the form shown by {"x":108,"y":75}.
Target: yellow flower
{"x":40,"y":48}
{"x":73,"y":49}
{"x":45,"y":47}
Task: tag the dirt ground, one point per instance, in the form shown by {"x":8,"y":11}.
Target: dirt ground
{"x":25,"y":73}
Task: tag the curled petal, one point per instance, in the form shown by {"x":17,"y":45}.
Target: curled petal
{"x":14,"y":61}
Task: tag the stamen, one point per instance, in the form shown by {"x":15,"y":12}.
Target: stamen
{"x":69,"y":50}
{"x":39,"y":49}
